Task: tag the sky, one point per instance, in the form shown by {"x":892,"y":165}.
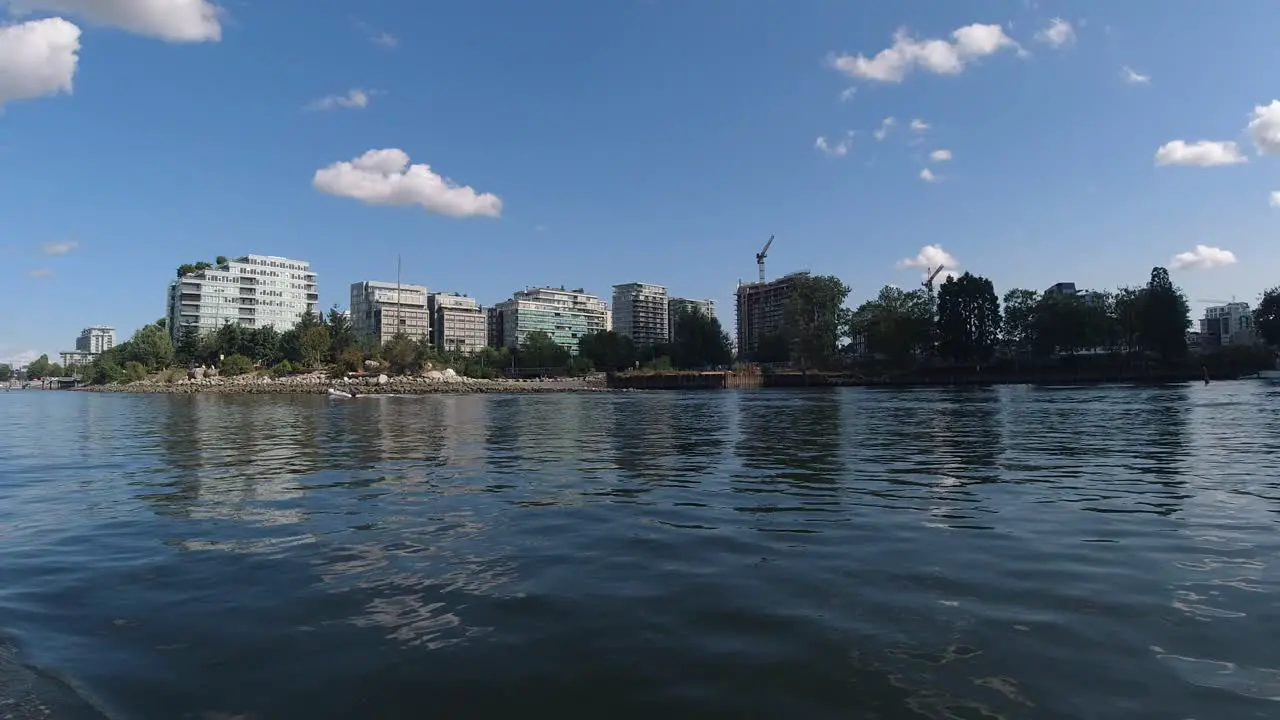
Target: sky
{"x":500,"y":144}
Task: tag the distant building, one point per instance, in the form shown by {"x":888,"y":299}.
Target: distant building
{"x":1230,"y":324}
{"x":458,"y":323}
{"x":564,"y":315}
{"x":382,"y":310}
{"x":253,"y":291}
{"x":77,"y":358}
{"x":96,"y":340}
{"x":760,"y":310}
{"x":493,"y":326}
{"x":678,"y":306}
{"x":1062,"y":288}
{"x":640,"y":313}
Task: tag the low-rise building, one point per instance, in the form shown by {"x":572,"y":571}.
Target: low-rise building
{"x":1230,"y":324}
{"x":77,"y":358}
{"x":458,"y":323}
{"x":382,"y":310}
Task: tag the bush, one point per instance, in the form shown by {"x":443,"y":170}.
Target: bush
{"x":350,"y":360}
{"x":135,"y":371}
{"x":282,"y":368}
{"x":233,"y":365}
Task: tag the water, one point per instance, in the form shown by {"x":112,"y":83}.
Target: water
{"x":982,"y":553}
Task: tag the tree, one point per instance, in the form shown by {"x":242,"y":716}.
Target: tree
{"x":261,"y":345}
{"x":538,"y":350}
{"x":699,"y":341}
{"x":897,"y":324}
{"x":1126,"y":313}
{"x":1164,"y":317}
{"x":151,"y":347}
{"x":233,"y":365}
{"x":1266,"y":318}
{"x":771,"y":348}
{"x":188,"y":350}
{"x":1060,"y":325}
{"x":968,"y":318}
{"x":401,"y":355}
{"x":6,"y":372}
{"x":220,"y":260}
{"x":313,"y":345}
{"x":1018,"y":323}
{"x":188,"y":268}
{"x":815,"y":317}
{"x":39,"y":367}
{"x":342,"y":336}
{"x":607,"y":350}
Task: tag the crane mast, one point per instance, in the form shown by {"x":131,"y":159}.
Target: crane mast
{"x":760,"y":256}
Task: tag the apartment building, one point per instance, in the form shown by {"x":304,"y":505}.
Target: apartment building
{"x":564,"y":315}
{"x":760,"y":310}
{"x":96,"y":340}
{"x":640,"y":313}
{"x":678,"y":306}
{"x":253,"y":291}
{"x":1230,"y":324}
{"x":458,"y":323}
{"x":382,"y":310}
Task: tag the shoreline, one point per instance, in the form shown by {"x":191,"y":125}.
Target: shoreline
{"x":319,"y":384}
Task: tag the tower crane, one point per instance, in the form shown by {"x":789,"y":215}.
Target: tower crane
{"x":760,"y":256}
{"x":928,"y":283}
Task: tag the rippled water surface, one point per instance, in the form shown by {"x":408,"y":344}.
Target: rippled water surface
{"x":988,"y":553}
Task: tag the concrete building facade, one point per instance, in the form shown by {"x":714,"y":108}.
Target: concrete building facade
{"x":253,"y":291}
{"x":382,"y":310}
{"x":678,"y":306}
{"x":760,"y":310}
{"x":1230,"y":324}
{"x":640,"y":313}
{"x":458,"y":323}
{"x":97,"y":339}
{"x":77,"y":358}
{"x":564,"y":315}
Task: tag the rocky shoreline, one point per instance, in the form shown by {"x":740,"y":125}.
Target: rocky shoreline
{"x":319,"y":383}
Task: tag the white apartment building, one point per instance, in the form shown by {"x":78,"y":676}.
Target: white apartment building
{"x":564,"y":315}
{"x":458,"y":323}
{"x":96,"y":340}
{"x":640,"y":313}
{"x":678,"y":306}
{"x":1230,"y":324}
{"x":254,"y":291}
{"x":382,"y":310}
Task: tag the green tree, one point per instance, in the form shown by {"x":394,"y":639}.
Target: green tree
{"x":1266,"y":317}
{"x":772,"y":348}
{"x":814,"y":318}
{"x":151,"y":347}
{"x":188,"y":268}
{"x":313,"y":345}
{"x":134,"y":371}
{"x":607,"y":350}
{"x":1126,"y":314}
{"x":1164,"y":317}
{"x":106,"y":369}
{"x":968,"y":318}
{"x":342,"y":335}
{"x":6,"y":372}
{"x":1018,"y":322}
{"x":262,"y":345}
{"x":538,"y":350}
{"x":39,"y":367}
{"x":220,"y":260}
{"x":401,"y":355}
{"x":1061,"y":324}
{"x":897,"y":324}
{"x":188,"y":350}
{"x":233,"y":365}
{"x":699,"y":341}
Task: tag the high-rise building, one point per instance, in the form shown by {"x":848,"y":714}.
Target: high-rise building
{"x":254,"y":291}
{"x":458,"y":323}
{"x":564,"y":315}
{"x":760,"y":310}
{"x":97,"y":339}
{"x":493,"y":326}
{"x":640,"y":313}
{"x":679,"y":306}
{"x":382,"y":310}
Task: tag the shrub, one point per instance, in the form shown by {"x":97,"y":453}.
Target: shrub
{"x":282,"y":368}
{"x":350,"y":360}
{"x":233,"y":365}
{"x":135,"y":371}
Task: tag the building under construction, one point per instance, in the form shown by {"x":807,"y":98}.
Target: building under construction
{"x":760,"y":310}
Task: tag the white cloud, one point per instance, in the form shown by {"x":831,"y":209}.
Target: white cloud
{"x":1275,"y":198}
{"x":847,"y":94}
{"x":928,"y":176}
{"x":1057,"y":34}
{"x":385,"y":177}
{"x":171,"y":20}
{"x":885,"y":126}
{"x":1202,"y":153}
{"x":1133,"y":77}
{"x":378,"y":37}
{"x":941,"y":57}
{"x":930,"y":258}
{"x":940,"y":155}
{"x":355,"y":98}
{"x":838,"y":149}
{"x":20,"y":358}
{"x":1264,"y":128}
{"x":919,"y":125}
{"x":38,"y":59}
{"x":1203,"y":258}
{"x":40,"y":273}
{"x":59,"y":248}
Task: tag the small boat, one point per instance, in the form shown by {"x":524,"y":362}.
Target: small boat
{"x":334,"y":392}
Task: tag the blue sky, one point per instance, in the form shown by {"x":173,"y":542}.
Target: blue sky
{"x":607,"y":142}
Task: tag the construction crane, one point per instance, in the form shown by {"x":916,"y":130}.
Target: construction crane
{"x":928,"y":283}
{"x":1216,"y":302}
{"x":760,"y":256}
